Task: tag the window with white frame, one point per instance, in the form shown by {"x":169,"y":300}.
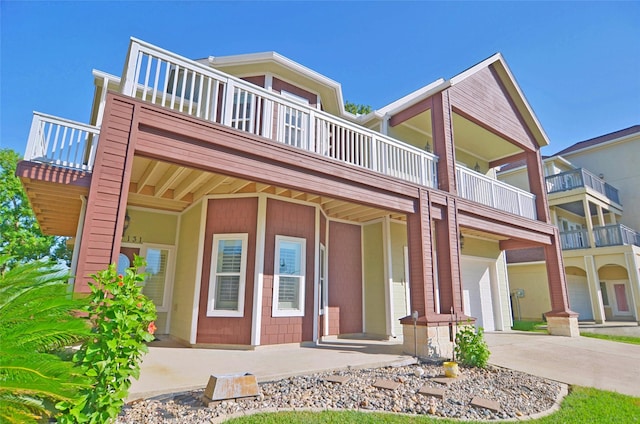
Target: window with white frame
{"x":227,"y":277}
{"x":289,"y":277}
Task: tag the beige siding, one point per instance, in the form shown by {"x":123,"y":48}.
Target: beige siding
{"x":186,"y":273}
{"x":151,"y":227}
{"x":533,"y":280}
{"x":374,"y":315}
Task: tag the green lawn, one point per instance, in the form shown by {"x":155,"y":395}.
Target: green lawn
{"x":622,"y":339}
{"x":529,"y":326}
{"x":582,"y":405}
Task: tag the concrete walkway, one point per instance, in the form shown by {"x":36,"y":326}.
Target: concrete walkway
{"x":175,"y":369}
{"x":580,"y":360}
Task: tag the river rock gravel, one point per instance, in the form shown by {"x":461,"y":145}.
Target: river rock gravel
{"x":517,"y":394}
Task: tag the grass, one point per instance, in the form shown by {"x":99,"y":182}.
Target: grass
{"x":582,"y":405}
{"x":621,"y":339}
{"x":529,"y":326}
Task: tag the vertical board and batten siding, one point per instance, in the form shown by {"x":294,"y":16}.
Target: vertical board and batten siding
{"x":422,"y":287}
{"x":345,"y":278}
{"x":483,"y":98}
{"x":293,"y":220}
{"x":448,"y":257}
{"x":228,"y":216}
{"x":101,"y":235}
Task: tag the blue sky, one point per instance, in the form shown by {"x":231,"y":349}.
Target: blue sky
{"x":578,"y":63}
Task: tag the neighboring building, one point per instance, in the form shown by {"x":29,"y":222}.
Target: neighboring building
{"x":268,"y":214}
{"x":594,"y":196}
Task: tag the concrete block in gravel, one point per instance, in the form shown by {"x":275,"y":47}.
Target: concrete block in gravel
{"x":386,"y":384}
{"x":431,"y":391}
{"x":485,"y":403}
{"x":340,"y":379}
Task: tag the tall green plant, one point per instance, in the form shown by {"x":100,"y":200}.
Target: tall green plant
{"x":471,"y":349}
{"x":123,"y":321}
{"x":36,"y":322}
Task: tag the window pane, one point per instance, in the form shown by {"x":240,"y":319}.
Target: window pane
{"x":288,"y":293}
{"x":227,"y":292}
{"x":290,"y":258}
{"x":229,"y":255}
{"x":156,"y":271}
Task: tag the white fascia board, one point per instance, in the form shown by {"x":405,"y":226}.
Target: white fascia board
{"x":277,"y":58}
{"x":413,"y":98}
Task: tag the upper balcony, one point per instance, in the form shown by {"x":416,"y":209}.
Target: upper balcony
{"x":166,"y":79}
{"x":577,"y":178}
{"x":604,"y":236}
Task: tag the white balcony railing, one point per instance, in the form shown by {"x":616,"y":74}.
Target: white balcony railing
{"x":61,"y":142}
{"x":575,"y":239}
{"x":482,"y":189}
{"x":164,"y":78}
{"x":615,"y":235}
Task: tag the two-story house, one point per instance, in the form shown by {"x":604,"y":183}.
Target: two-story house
{"x":267,"y":214}
{"x":593,"y":195}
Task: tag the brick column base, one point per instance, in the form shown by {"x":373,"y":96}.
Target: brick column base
{"x":563,"y":326}
{"x":433,"y":341}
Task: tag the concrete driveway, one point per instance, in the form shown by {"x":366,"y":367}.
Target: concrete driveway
{"x":579,"y":360}
{"x":168,"y":368}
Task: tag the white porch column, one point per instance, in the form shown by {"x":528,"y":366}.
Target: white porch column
{"x":600,"y":216}
{"x":634,"y":280}
{"x":256,"y":317}
{"x":593,"y":282}
{"x":78,"y":241}
{"x":388,"y":275}
{"x":587,"y":215}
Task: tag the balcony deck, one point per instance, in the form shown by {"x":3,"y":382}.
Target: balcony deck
{"x":168,"y":80}
{"x":580,"y":177}
{"x":604,"y":236}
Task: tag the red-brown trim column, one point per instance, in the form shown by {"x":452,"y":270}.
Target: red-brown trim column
{"x":421,"y":273}
{"x":107,"y":202}
{"x":448,"y":259}
{"x":443,"y":142}
{"x":537,"y":185}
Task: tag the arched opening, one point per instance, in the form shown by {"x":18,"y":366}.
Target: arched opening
{"x":578,"y":288}
{"x":616,"y":292}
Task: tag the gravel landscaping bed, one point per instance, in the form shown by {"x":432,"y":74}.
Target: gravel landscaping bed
{"x":516,"y":393}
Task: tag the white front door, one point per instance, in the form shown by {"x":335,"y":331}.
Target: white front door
{"x":158,"y":285}
{"x":476,"y":292}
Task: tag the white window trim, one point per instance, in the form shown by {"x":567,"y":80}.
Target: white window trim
{"x":275,"y":311}
{"x":211,"y":311}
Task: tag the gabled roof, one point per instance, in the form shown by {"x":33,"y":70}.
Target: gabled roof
{"x":600,"y":140}
{"x":329,"y":90}
{"x":503,"y":72}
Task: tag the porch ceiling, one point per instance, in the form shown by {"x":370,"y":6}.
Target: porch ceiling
{"x":477,"y":141}
{"x":56,"y":206}
{"x":161,"y":185}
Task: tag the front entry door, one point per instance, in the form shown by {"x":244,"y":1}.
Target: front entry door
{"x":622,"y":304}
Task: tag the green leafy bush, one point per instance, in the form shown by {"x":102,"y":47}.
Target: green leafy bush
{"x":471,"y":349}
{"x":36,"y":324}
{"x":123,"y":321}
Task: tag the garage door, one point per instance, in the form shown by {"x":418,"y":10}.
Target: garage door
{"x":476,"y":286}
{"x":579,"y":300}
